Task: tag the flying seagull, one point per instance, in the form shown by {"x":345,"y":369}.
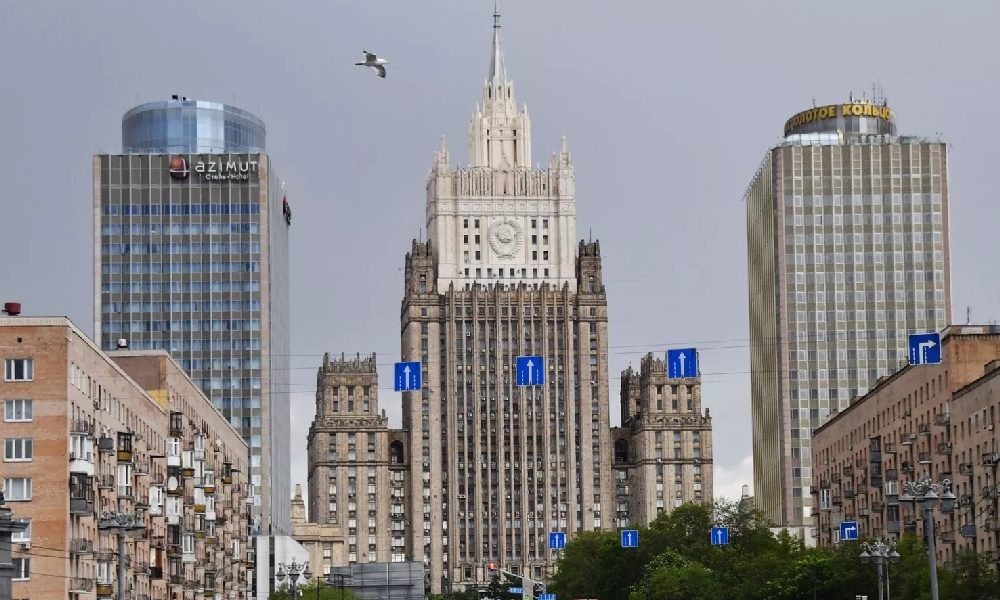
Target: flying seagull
{"x":374,"y":62}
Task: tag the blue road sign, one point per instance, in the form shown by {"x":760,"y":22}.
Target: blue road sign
{"x":682,"y":363}
{"x":530,"y":370}
{"x":925,"y":349}
{"x":630,"y":538}
{"x":547,"y":596}
{"x":557,"y":540}
{"x":515,"y":590}
{"x":848,"y":530}
{"x":720,"y":536}
{"x":407,"y":376}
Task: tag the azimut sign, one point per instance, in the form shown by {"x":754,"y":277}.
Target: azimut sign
{"x":226,"y":170}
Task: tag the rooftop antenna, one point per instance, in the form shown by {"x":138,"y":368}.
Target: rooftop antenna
{"x":968,"y":315}
{"x":420,"y":235}
{"x":590,"y":233}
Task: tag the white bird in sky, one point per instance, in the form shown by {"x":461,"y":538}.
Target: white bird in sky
{"x":374,"y":62}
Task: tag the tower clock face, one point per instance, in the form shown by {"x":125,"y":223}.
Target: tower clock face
{"x":506,"y":238}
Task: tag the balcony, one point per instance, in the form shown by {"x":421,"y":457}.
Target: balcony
{"x":877,"y":507}
{"x":836,"y":500}
{"x":835,"y":478}
{"x":944,"y":448}
{"x":105,"y":482}
{"x":850,"y":494}
{"x":81,"y":426}
{"x":990,"y":524}
{"x":848,"y":471}
{"x":80,"y":585}
{"x":864,"y":512}
{"x":924,"y":458}
{"x":948,"y":537}
{"x":942,"y":419}
{"x":176,"y":579}
{"x":83,"y":464}
{"x":892,"y":526}
{"x":889,"y":448}
{"x":907,"y":467}
{"x":908,"y":439}
{"x":104,"y":556}
{"x":156,"y":572}
{"x":105,"y":590}
{"x":81,"y":506}
{"x":81,"y":546}
{"x":874,"y":456}
{"x":924,"y":429}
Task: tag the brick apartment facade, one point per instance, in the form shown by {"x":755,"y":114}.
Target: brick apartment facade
{"x":86,"y":433}
{"x":937,"y":420}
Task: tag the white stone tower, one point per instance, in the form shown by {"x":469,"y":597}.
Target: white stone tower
{"x":500,"y":220}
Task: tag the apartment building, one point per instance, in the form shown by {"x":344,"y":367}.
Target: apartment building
{"x":83,"y":438}
{"x":933,"y":420}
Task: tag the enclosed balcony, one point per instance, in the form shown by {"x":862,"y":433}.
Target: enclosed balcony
{"x":80,"y":585}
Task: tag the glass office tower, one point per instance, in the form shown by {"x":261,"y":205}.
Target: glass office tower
{"x":191,"y":242}
{"x":847,"y":226}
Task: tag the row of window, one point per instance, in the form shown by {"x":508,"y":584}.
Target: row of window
{"x":182,"y":248}
{"x":181,"y":209}
{"x":179,"y":229}
{"x":188,"y":345}
{"x":195,"y":306}
{"x":184,"y":326}
{"x":147,"y":268}
{"x":179,"y":287}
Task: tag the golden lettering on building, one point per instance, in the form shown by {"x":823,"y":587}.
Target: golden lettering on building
{"x":832,"y":111}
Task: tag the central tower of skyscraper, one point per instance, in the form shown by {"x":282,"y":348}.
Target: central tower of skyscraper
{"x":496,"y":467}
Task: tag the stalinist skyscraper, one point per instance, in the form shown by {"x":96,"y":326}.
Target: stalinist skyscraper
{"x":496,"y":467}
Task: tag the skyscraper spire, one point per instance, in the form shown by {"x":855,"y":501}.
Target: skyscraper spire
{"x":498,"y":71}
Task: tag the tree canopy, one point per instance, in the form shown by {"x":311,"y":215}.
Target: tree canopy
{"x":676,"y":560}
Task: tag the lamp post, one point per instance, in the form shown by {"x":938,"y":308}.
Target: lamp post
{"x":882,"y":555}
{"x":925,"y":491}
{"x":293,"y":571}
{"x":122,"y":523}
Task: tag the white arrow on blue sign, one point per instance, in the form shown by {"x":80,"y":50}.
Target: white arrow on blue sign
{"x":682,"y":363}
{"x":557,"y":540}
{"x":530,"y":370}
{"x":848,"y":530}
{"x":630,"y":538}
{"x":720,"y":536}
{"x":925,"y":349}
{"x":407,"y":377}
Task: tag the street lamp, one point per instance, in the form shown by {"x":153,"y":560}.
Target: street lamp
{"x":882,"y":555}
{"x":293,"y":571}
{"x":926,"y":492}
{"x":122,"y":523}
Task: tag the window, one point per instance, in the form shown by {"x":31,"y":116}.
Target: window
{"x":17,"y":449}
{"x":23,"y":536}
{"x":17,"y":488}
{"x":18,"y":369}
{"x":17,"y":410}
{"x":22,"y":569}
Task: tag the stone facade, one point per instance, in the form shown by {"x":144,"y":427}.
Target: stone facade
{"x":351,"y":486}
{"x":663,"y":450}
{"x":923,"y":420}
{"x":94,"y":433}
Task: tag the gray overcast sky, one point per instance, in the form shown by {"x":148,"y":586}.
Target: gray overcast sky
{"x":668,"y":108}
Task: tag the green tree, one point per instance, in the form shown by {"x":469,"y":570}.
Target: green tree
{"x":309,"y":591}
{"x":973,"y":578}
